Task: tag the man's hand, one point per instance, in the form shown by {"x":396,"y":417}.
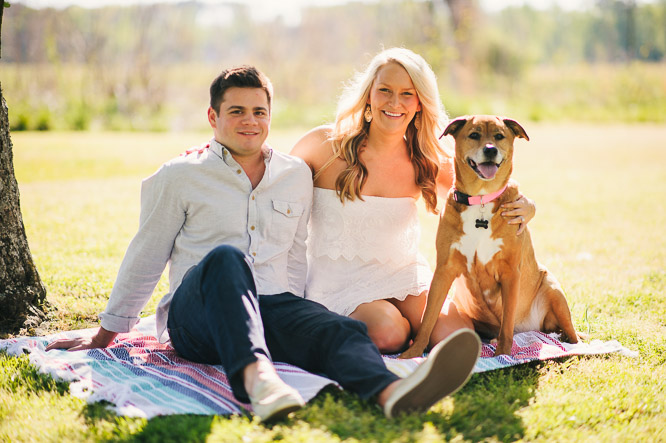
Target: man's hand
{"x":520,"y":212}
{"x":100,"y":340}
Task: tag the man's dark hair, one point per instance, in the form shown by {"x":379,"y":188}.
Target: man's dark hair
{"x":239,"y":77}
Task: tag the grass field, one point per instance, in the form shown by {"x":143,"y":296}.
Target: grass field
{"x":601,"y":204}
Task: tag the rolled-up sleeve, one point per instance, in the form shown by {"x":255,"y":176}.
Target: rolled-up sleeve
{"x":162,"y":216}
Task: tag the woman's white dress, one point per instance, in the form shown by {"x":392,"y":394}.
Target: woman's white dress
{"x":363,"y":250}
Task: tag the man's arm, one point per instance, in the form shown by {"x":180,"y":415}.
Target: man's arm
{"x":297,"y":266}
{"x":162,"y":216}
{"x":100,"y":340}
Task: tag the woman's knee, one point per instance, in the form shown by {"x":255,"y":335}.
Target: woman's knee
{"x":412,"y":309}
{"x":390,"y":336}
{"x":386,"y":326}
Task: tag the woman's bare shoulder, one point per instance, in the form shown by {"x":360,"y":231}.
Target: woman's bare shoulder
{"x":313,"y":138}
{"x":315,"y":147}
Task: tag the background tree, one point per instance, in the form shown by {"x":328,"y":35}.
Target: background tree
{"x":464,"y":17}
{"x":21,"y":290}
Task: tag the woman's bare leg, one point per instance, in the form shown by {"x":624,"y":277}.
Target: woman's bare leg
{"x":450,"y":318}
{"x":387,"y":328}
{"x":412,"y":309}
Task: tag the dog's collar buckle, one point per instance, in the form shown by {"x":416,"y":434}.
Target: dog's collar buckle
{"x":471,"y":200}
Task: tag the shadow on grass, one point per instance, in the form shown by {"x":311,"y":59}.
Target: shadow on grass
{"x":485,"y":409}
{"x":169,"y":428}
{"x":176,"y":428}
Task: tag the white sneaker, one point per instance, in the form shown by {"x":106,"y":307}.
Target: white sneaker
{"x":273,"y":399}
{"x":447,"y":369}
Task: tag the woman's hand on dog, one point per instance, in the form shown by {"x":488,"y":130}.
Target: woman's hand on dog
{"x":519,"y":212}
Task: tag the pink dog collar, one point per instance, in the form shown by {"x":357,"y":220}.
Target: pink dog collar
{"x":470,"y":200}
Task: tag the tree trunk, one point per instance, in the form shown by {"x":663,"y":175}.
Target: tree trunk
{"x":21,"y":290}
{"x":464,"y":17}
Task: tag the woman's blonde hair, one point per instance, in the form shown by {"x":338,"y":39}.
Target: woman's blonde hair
{"x":351,"y":129}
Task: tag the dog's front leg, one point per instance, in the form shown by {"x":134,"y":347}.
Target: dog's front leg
{"x":510,"y":291}
{"x":439,"y":288}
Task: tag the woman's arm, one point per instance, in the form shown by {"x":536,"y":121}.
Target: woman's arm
{"x":444,"y":178}
{"x":520,"y":212}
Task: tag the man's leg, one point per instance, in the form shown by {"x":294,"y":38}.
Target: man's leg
{"x":306,"y":334}
{"x":214,"y":318}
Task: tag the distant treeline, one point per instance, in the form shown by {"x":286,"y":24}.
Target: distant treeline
{"x":188,"y":32}
{"x":147,"y":67}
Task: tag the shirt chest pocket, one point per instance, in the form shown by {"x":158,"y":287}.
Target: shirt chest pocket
{"x":284,"y":220}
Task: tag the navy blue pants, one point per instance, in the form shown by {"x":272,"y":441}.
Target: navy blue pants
{"x":216,"y":317}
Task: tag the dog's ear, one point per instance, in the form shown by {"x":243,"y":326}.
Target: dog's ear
{"x":516,"y":128}
{"x":454,"y":126}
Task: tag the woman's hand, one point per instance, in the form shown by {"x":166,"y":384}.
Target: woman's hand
{"x":519,"y":212}
{"x":99,"y":340}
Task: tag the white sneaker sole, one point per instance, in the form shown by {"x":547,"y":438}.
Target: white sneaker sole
{"x":279,"y":408}
{"x":444,"y":372}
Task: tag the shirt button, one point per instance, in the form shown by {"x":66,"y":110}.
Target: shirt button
{"x":254,"y":254}
{"x":288,"y":211}
{"x":251,"y":228}
{"x":238,"y":171}
{"x":253,"y":197}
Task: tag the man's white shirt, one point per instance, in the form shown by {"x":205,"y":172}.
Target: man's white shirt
{"x":204,"y":199}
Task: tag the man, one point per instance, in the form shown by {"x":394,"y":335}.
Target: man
{"x":231,"y":220}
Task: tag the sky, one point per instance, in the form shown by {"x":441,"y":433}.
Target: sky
{"x":289,"y":10}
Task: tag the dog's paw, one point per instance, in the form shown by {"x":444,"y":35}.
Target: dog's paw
{"x":581,"y":336}
{"x":412,"y":352}
{"x":503,"y":349}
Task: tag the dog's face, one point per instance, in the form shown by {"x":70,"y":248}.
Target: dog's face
{"x":484,"y":145}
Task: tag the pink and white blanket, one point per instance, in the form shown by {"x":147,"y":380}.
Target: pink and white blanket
{"x":141,"y":377}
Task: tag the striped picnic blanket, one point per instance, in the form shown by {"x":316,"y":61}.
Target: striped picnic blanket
{"x":141,"y":377}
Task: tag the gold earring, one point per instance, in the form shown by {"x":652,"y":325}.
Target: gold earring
{"x":417,"y":121}
{"x":367,"y":114}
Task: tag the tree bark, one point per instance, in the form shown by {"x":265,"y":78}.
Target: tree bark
{"x":21,"y":290}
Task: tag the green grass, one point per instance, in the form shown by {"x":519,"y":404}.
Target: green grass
{"x":599,"y":93}
{"x":601,"y":202}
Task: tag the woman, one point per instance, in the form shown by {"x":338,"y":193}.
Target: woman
{"x":369,"y":170}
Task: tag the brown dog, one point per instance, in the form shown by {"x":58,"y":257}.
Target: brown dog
{"x":500,"y":285}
